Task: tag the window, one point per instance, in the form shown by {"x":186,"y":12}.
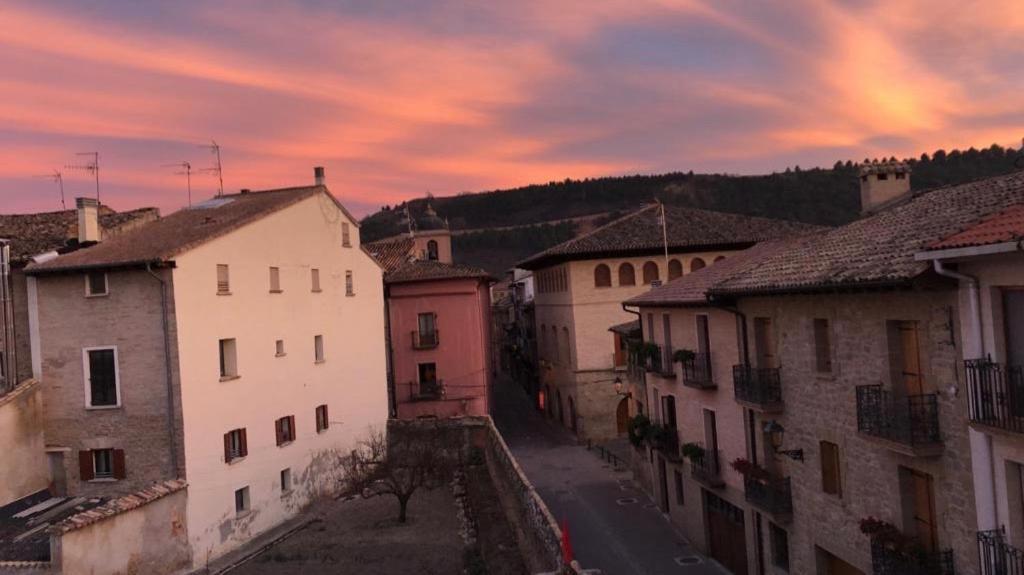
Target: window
{"x":831,"y":475}
{"x":235,"y":445}
{"x":322,"y":423}
{"x":95,"y":284}
{"x":427,"y":330}
{"x":101,"y":377}
{"x":286,"y":480}
{"x":228,"y":359}
{"x":780,"y":546}
{"x":346,"y":235}
{"x":284,"y":430}
{"x":314,"y":275}
{"x":697,"y":264}
{"x":602,"y":276}
{"x":242,"y":501}
{"x":905,"y":357}
{"x":883,"y":176}
{"x":101,"y":464}
{"x":627,"y":275}
{"x":822,"y":346}
{"x":650,"y":273}
{"x":279,"y":348}
{"x":675,"y":269}
{"x":223,"y":280}
{"x":668,"y":411}
{"x":349,"y":287}
{"x":429,"y":386}
{"x":318,"y":348}
{"x":680,"y":496}
{"x":432,"y":250}
{"x":275,"y":280}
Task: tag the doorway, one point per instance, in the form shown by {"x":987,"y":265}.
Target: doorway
{"x":622,"y":417}
{"x":663,"y":482}
{"x":764,"y":343}
{"x":727,"y":534}
{"x":572,"y":414}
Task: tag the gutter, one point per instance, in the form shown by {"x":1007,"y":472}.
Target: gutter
{"x":171,"y":435}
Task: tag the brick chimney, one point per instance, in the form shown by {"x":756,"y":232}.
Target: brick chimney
{"x":318,"y":175}
{"x":882,"y":183}
{"x":88,"y":220}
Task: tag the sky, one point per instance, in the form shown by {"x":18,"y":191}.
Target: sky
{"x":397,"y":99}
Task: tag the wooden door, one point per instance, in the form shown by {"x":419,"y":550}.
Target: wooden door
{"x":910,"y":350}
{"x":622,"y":416}
{"x":764,"y":341}
{"x":924,"y":510}
{"x":727,"y":536}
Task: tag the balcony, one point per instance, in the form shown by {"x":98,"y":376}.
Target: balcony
{"x":887,"y":560}
{"x":707,"y":470}
{"x":697,"y":372}
{"x":426,"y":390}
{"x":997,"y":556}
{"x":665,"y":440}
{"x":425,"y":339}
{"x":659,"y":361}
{"x":770,"y":493}
{"x":758,"y":388}
{"x":996,"y":395}
{"x":907,"y":425}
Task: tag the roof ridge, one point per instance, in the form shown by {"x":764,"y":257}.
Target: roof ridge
{"x":619,"y":220}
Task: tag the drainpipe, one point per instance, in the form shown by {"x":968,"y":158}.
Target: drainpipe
{"x":389,"y":357}
{"x":165,"y":322}
{"x":982,"y":459}
{"x":9,"y":374}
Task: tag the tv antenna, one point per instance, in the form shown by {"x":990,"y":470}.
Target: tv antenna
{"x":59,"y":178}
{"x":216,"y":169}
{"x":92,"y":167}
{"x":187,"y":171}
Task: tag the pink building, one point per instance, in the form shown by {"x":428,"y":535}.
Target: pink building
{"x":438,"y":325}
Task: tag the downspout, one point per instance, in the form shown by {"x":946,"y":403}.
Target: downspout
{"x":165,"y":322}
{"x":9,"y":374}
{"x":390,"y":357}
{"x":982,"y":459}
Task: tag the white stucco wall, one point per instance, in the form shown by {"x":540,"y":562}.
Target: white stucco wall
{"x":352,"y":380}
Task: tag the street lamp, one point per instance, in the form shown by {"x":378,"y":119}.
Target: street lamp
{"x":776,"y":434}
{"x":619,"y":388}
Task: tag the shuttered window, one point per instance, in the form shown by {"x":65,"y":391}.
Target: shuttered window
{"x":228,"y":359}
{"x":322,"y":423}
{"x":831,"y":479}
{"x":349,"y":284}
{"x":223,"y":280}
{"x":346,"y":235}
{"x":284,"y":429}
{"x":96,"y":464}
{"x":822,"y":345}
{"x":318,"y":348}
{"x":101,"y":375}
{"x":315,"y":278}
{"x":235,"y":445}
{"x":275,"y":280}
{"x":96,"y":284}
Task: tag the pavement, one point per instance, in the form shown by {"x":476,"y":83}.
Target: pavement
{"x":614,"y":527}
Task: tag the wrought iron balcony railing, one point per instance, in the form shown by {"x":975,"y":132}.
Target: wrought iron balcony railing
{"x":757,"y":387}
{"x":665,"y":440}
{"x":997,"y":556}
{"x":426,"y":339}
{"x":707,"y":469}
{"x":660,"y":362}
{"x":426,"y":390}
{"x":996,"y":394}
{"x":886,"y":560}
{"x":912,"y":421}
{"x":697,"y":371}
{"x":770,"y":493}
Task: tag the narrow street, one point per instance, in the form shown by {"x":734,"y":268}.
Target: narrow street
{"x":614,"y":527}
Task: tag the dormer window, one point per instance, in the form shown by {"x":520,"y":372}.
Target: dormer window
{"x":96,"y":284}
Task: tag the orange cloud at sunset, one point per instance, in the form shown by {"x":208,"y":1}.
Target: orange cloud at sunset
{"x":396,"y":99}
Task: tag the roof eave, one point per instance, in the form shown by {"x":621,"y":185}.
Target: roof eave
{"x":970,"y":251}
{"x":98,"y":266}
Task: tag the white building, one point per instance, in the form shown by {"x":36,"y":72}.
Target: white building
{"x":238,"y":344}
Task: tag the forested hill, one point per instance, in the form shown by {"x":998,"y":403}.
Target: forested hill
{"x":821,"y":196}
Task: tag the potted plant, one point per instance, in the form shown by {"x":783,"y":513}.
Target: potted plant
{"x":693,"y":451}
{"x":684,"y":355}
{"x":639,"y":430}
{"x":751,"y":470}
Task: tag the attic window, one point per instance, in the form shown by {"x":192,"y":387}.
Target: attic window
{"x":901,"y":176}
{"x":883,"y":176}
{"x":96,"y":284}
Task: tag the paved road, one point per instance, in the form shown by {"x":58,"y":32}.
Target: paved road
{"x":614,"y":527}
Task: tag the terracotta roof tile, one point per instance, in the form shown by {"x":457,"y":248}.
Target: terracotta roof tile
{"x":120,"y":505}
{"x":428,"y":270}
{"x":688,"y":229}
{"x":181,"y":231}
{"x":391,"y":252}
{"x":34,"y":234}
{"x":878,"y":249}
{"x":1007,"y":226}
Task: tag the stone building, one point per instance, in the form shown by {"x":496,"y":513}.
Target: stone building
{"x":847,"y":447}
{"x":580,"y":286}
{"x":237,"y":344}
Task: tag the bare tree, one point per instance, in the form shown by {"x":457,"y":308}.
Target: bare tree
{"x":397,"y":466}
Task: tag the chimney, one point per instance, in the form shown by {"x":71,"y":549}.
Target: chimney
{"x":882,"y":183}
{"x":88,"y":220}
{"x":318,"y":175}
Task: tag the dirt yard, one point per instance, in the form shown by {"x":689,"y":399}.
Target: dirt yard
{"x":363,"y":536}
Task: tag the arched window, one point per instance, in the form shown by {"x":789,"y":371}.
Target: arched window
{"x":696,"y":264}
{"x":432,"y":250}
{"x":675,"y":269}
{"x":627,"y":275}
{"x":650,"y":272}
{"x":602,"y":276}
{"x":719,"y":258}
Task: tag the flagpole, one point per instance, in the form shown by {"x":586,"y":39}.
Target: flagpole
{"x":664,"y":234}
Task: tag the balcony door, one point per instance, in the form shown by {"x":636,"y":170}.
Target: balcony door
{"x":764,"y":343}
{"x":905,"y":358}
{"x":428,"y":378}
{"x":919,"y":498}
{"x":1013,"y":320}
{"x":703,"y":334}
{"x":727,"y":535}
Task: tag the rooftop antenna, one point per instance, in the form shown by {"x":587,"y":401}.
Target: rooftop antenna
{"x":92,"y":167}
{"x":216,"y":169}
{"x":59,"y":178}
{"x":188,"y":176}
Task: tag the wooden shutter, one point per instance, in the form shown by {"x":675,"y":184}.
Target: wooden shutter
{"x":291,"y":428}
{"x":244,"y":444}
{"x":227,"y":447}
{"x":85,"y":469}
{"x":619,"y":357}
{"x":831,"y":481}
{"x":279,"y":431}
{"x":119,"y":468}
